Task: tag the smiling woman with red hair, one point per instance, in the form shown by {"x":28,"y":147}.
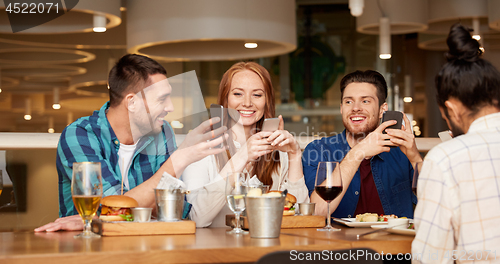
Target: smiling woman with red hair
{"x":273,"y":157}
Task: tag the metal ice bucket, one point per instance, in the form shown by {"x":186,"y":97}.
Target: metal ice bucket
{"x":264,"y":216}
{"x":169,"y":204}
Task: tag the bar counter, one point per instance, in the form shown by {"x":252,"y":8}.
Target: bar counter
{"x":208,"y":245}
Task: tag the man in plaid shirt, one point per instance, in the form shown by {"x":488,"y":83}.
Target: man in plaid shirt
{"x":458,"y":211}
{"x":130,"y":138}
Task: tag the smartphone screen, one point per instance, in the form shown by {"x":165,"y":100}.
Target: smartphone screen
{"x":393,"y":115}
{"x":271,"y":124}
{"x":445,"y":135}
{"x":217,"y":111}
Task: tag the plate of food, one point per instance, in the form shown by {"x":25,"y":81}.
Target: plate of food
{"x":409,"y":231}
{"x":365,"y":220}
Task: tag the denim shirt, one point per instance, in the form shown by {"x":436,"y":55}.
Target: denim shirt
{"x":392,"y":174}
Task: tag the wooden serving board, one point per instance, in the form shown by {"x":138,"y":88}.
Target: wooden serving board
{"x":299,"y":221}
{"x":147,"y":228}
{"x":295,"y":221}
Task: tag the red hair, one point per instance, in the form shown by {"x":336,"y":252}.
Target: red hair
{"x":265,"y":165}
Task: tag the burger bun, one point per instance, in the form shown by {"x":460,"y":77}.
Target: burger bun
{"x":121,"y":201}
{"x":288,"y":212}
{"x":111,"y":218}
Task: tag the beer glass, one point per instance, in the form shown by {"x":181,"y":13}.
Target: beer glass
{"x":86,"y":190}
{"x":1,"y":182}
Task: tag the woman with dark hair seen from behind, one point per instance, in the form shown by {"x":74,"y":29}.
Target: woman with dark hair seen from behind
{"x":456,"y":218}
{"x":274,"y":157}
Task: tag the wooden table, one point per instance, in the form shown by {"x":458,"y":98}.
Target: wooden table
{"x":209,"y":245}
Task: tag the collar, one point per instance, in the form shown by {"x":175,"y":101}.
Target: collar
{"x":485,"y":122}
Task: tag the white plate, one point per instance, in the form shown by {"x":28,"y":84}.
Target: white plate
{"x":399,"y":231}
{"x":351,"y":222}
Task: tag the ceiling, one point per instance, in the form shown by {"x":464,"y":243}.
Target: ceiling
{"x":64,"y":59}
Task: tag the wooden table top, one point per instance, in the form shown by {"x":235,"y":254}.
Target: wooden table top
{"x":208,"y":245}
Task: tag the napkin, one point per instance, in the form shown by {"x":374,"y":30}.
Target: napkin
{"x":167,"y":181}
{"x":254,"y":182}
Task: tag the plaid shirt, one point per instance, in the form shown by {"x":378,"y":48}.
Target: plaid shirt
{"x":91,"y":138}
{"x":458,"y":212}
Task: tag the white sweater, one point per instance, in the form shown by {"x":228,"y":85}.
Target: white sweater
{"x":208,"y":190}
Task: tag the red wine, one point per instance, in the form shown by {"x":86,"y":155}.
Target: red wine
{"x":328,"y":193}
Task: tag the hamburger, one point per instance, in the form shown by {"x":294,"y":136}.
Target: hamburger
{"x":290,"y":201}
{"x":117,"y":208}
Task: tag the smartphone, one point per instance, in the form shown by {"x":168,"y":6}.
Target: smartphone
{"x":445,"y":135}
{"x":217,"y":111}
{"x":271,"y":124}
{"x":393,"y":115}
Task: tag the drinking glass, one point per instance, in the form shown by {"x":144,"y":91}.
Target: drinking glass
{"x":416,"y":172}
{"x":236,"y":190}
{"x":86,"y":190}
{"x":328,"y":187}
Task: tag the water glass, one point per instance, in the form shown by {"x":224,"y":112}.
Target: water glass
{"x":236,"y":190}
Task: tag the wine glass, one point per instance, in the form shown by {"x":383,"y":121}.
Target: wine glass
{"x":236,"y":190}
{"x":328,"y":187}
{"x":1,"y":182}
{"x":86,"y":190}
{"x":416,"y":172}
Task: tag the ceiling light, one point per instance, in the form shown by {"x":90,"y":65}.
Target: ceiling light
{"x":55,"y":103}
{"x":69,"y":118}
{"x":99,"y":22}
{"x":475,"y":29}
{"x":408,"y":89}
{"x":27,"y":109}
{"x":251,"y":45}
{"x":356,"y":7}
{"x":385,"y":38}
{"x":210,"y":37}
{"x":51,"y":125}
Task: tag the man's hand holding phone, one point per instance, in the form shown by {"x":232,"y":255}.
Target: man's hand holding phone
{"x":404,"y":138}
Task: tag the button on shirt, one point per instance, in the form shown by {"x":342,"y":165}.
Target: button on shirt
{"x":392,"y":174}
{"x":92,"y":139}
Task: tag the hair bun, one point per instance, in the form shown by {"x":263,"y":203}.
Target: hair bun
{"x":461,"y":44}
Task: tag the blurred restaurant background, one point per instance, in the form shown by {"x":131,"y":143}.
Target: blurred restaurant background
{"x":53,"y":73}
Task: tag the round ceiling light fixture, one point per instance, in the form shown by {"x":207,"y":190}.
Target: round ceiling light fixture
{"x":214,"y":30}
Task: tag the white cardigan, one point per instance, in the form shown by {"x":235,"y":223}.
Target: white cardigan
{"x":208,"y":190}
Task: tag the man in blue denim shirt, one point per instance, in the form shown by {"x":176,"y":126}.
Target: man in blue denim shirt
{"x":376,"y":168}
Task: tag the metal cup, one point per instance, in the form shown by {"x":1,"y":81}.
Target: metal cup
{"x":169,"y":204}
{"x":264,"y":216}
{"x":306,"y":208}
{"x":142,"y":214}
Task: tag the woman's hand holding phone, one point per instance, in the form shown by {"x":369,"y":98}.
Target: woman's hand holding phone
{"x":282,"y":140}
{"x":256,"y":146}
